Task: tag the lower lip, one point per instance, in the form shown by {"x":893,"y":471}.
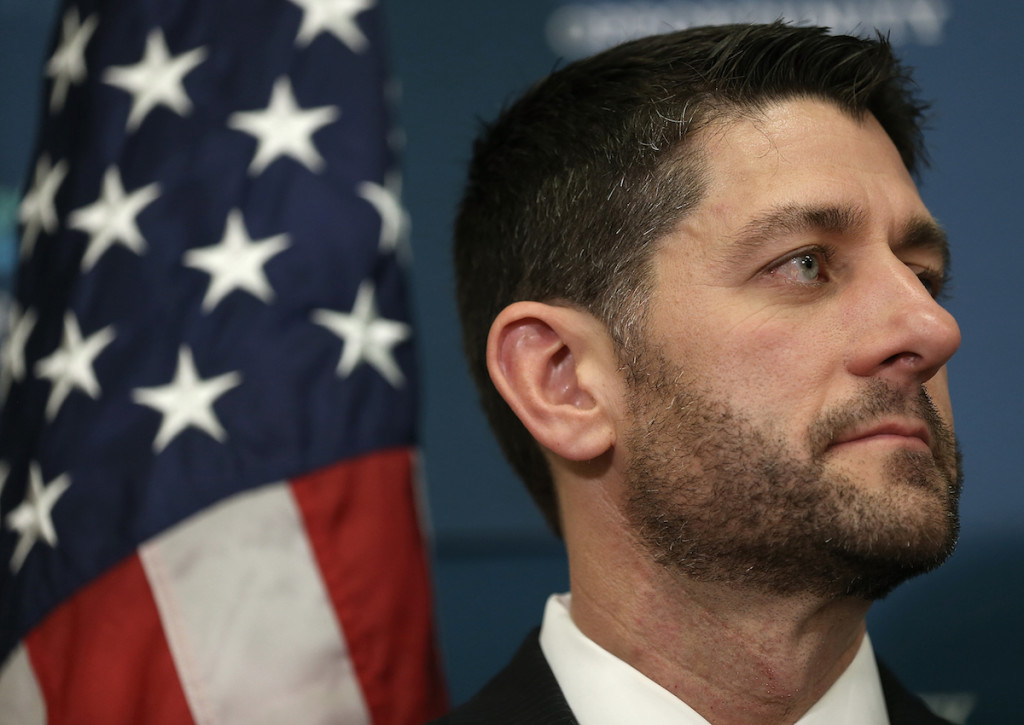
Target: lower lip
{"x":888,"y":440}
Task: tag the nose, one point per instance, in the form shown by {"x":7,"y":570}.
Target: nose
{"x":906,"y":336}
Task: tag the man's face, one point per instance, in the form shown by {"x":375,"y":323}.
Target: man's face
{"x":790,"y":416}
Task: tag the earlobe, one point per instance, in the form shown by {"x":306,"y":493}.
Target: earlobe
{"x":552,"y":365}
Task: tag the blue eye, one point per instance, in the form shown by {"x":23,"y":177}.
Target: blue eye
{"x":801,"y":269}
{"x":808,"y":268}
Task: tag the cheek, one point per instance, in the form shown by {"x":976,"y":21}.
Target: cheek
{"x":775,"y":362}
{"x":766,"y":358}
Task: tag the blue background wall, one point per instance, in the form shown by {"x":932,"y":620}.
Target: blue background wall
{"x":958,"y":631}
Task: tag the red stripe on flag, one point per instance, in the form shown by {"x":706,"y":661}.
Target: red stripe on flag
{"x":363,"y":526}
{"x":101,"y":657}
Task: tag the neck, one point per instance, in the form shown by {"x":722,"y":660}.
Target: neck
{"x":734,"y":655}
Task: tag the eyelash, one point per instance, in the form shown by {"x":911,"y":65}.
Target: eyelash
{"x":937,"y":283}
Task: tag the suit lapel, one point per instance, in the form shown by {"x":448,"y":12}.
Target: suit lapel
{"x":904,"y":707}
{"x":524,"y":692}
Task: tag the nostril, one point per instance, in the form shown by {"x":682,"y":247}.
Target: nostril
{"x":906,"y":358}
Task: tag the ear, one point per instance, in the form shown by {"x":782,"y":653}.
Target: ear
{"x":555,"y":367}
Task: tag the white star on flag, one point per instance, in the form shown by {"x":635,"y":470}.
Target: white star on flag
{"x":67,"y":64}
{"x":284,"y":129}
{"x":38,"y":209}
{"x":12,"y":359}
{"x":394,"y":220}
{"x":110,"y":219}
{"x":187,"y":401}
{"x":367,"y":336}
{"x":337,"y":17}
{"x":32,"y":519}
{"x":157,"y":79}
{"x":236,"y":262}
{"x":70,"y":365}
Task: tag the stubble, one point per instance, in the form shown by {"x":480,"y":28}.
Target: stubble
{"x":719,"y":497}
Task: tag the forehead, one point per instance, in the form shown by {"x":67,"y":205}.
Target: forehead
{"x":800,"y":155}
{"x":798,"y":129}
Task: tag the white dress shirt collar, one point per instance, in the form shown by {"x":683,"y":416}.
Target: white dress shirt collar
{"x":601,"y":689}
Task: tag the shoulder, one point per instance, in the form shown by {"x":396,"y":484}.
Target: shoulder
{"x":905,"y":708}
{"x":525,"y":691}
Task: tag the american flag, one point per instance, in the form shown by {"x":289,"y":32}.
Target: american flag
{"x":207,"y":503}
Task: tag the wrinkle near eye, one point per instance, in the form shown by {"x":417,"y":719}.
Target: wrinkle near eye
{"x":752,"y":322}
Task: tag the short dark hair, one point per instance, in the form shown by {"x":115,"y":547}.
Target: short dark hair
{"x":573,"y":186}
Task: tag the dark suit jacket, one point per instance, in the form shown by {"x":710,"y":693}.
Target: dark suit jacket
{"x":526,"y":693}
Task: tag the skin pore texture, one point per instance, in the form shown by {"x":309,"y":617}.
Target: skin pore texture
{"x":780,"y":451}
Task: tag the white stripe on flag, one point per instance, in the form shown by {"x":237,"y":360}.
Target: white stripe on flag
{"x":21,"y":702}
{"x":248,"y":619}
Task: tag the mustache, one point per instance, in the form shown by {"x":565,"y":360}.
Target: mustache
{"x":878,"y":400}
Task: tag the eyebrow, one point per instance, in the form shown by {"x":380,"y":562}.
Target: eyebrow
{"x":918,"y":233}
{"x":796,"y":219}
